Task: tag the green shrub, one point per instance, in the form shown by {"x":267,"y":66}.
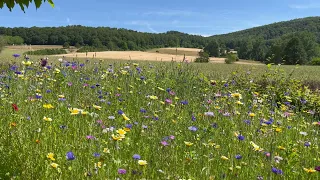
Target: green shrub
{"x":46,"y":52}
{"x":203,"y":57}
{"x":66,"y":45}
{"x":231,"y":58}
{"x":315,"y":61}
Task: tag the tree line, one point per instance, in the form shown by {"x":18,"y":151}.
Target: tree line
{"x":290,"y":42}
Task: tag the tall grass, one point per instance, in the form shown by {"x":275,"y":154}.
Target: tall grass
{"x":186,"y":121}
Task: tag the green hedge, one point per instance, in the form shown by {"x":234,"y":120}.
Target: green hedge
{"x":46,"y":52}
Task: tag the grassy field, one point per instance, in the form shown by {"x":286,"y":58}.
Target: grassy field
{"x":157,"y":120}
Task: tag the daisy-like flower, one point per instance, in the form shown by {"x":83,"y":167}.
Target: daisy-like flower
{"x":142,"y":162}
{"x":125,"y":117}
{"x":48,"y":106}
{"x":97,"y":107}
{"x":153,"y":97}
{"x":252,"y":114}
{"x":309,"y":170}
{"x":236,"y":95}
{"x":121,"y":132}
{"x":54,"y":165}
{"x":51,"y":156}
{"x":47,"y":119}
{"x":188,"y":143}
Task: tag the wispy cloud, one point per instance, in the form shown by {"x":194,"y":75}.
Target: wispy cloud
{"x":143,"y":23}
{"x":305,"y":6}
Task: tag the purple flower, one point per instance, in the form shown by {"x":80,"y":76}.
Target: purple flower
{"x":96,"y":154}
{"x":144,"y":126}
{"x":143,"y":110}
{"x":193,"y":118}
{"x":70,"y":156}
{"x":120,"y":112}
{"x":209,"y":114}
{"x":129,"y":126}
{"x":90,"y":137}
{"x":185,"y":102}
{"x":171,"y":137}
{"x":317,"y":168}
{"x":276,"y":171}
{"x":164,"y":143}
{"x":307,"y":144}
{"x":16,"y":55}
{"x":247,"y":122}
{"x":193,"y":128}
{"x":240,"y":137}
{"x":136,"y":157}
{"x":169,"y":101}
{"x":238,"y":156}
{"x":122,"y":171}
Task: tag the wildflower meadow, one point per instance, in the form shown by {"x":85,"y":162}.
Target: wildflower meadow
{"x":128,"y":120}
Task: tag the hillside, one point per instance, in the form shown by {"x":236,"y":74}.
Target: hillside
{"x":275,"y":30}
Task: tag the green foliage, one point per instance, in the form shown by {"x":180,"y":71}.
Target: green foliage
{"x":212,"y":49}
{"x":2,"y":43}
{"x":23,"y":3}
{"x":294,"y":52}
{"x":315,"y":61}
{"x":66,"y":45}
{"x":231,"y":58}
{"x":16,"y":40}
{"x":46,"y":52}
{"x":203,"y":57}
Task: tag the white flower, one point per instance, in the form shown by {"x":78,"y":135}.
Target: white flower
{"x":303,"y":133}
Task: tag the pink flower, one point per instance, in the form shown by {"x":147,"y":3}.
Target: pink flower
{"x":164,"y":143}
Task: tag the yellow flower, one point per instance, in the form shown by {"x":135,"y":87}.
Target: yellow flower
{"x":97,"y":107}
{"x":142,"y":162}
{"x":26,"y":63}
{"x":121,"y":131}
{"x":74,"y":111}
{"x":47,"y":119}
{"x":236,"y":95}
{"x":224,"y":158}
{"x":84,"y":112}
{"x":61,"y":96}
{"x":238,"y":167}
{"x":51,"y":156}
{"x":125,"y":117}
{"x":48,"y":106}
{"x":106,"y":150}
{"x":278,"y":130}
{"x":153,"y":97}
{"x":309,"y":170}
{"x":56,"y":70}
{"x":188,"y":143}
{"x":252,"y":114}
{"x":54,"y":165}
{"x":281,"y":148}
{"x":239,"y":103}
{"x":255,"y":147}
{"x":117,"y":137}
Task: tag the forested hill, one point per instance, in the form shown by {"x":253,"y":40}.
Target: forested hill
{"x":103,"y":37}
{"x":276,"y":30}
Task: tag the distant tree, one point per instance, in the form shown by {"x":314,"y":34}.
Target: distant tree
{"x":245,"y":50}
{"x":77,"y":45}
{"x":132,"y":46}
{"x":203,"y":57}
{"x":2,"y":43}
{"x":258,"y":52}
{"x":212,"y":49}
{"x":66,"y":45}
{"x":294,"y":52}
{"x":23,"y":3}
{"x":96,"y":43}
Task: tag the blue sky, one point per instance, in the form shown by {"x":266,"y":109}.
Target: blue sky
{"x":202,"y":17}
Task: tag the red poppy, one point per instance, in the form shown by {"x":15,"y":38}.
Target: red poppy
{"x":15,"y":107}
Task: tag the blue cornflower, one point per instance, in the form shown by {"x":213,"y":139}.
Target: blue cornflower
{"x":70,"y":156}
{"x":193,"y":128}
{"x":136,"y":156}
{"x":240,"y":137}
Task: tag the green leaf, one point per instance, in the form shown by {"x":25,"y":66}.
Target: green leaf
{"x":22,"y":6}
{"x":38,"y":3}
{"x":51,"y":3}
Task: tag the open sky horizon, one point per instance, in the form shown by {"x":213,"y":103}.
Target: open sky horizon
{"x":204,"y":17}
